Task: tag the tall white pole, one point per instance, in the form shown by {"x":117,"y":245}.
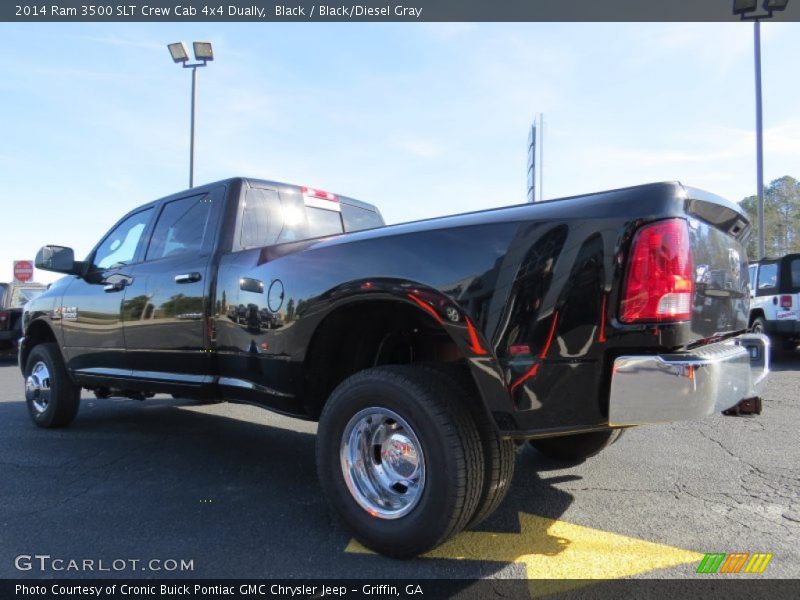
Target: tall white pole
{"x":541,"y":156}
{"x":191,"y":129}
{"x":759,"y":142}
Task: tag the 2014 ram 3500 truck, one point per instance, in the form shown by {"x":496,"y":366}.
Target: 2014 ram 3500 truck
{"x":425,"y":349}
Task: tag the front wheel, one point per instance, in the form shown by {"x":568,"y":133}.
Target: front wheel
{"x":400,"y":459}
{"x":578,"y":446}
{"x":51,"y":396}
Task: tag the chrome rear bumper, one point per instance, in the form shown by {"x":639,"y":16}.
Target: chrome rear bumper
{"x":679,"y":387}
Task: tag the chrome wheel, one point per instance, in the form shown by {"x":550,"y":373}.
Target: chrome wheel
{"x":383,"y":463}
{"x":37,"y":387}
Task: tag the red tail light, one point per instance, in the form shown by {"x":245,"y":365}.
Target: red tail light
{"x":4,"y":319}
{"x":786,"y":302}
{"x":659,"y":285}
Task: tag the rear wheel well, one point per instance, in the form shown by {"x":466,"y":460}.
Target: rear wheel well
{"x":369,"y":334}
{"x":36,"y":333}
{"x":754,"y":314}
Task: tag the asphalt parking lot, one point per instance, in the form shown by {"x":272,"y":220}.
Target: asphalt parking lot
{"x":234,"y":490}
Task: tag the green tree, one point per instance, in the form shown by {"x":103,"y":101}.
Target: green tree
{"x":781,"y":218}
{"x":290,"y":309}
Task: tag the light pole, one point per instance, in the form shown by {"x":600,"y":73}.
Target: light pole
{"x":202,"y":54}
{"x":745,"y":10}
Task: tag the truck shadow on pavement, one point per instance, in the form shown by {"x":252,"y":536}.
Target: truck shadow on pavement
{"x":234,"y":489}
{"x":785,"y":360}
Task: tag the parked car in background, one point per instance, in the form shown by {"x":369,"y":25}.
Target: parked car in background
{"x":775,"y":305}
{"x":13,"y":298}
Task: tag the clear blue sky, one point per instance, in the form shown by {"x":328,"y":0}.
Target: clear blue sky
{"x":421,"y":119}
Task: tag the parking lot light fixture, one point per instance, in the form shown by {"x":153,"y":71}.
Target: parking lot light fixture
{"x":203,"y":52}
{"x":178,"y":52}
{"x":741,"y":7}
{"x":771,"y":5}
{"x":746,"y":9}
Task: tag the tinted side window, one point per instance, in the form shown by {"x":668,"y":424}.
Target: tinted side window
{"x":119,"y":246}
{"x":356,"y":219}
{"x":767,"y":279}
{"x":181,"y":227}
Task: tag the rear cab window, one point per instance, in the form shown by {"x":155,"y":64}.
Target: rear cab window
{"x":357,"y":219}
{"x":322,"y":222}
{"x":270,"y":216}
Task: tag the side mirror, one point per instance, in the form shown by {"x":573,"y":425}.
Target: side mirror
{"x":59,"y":259}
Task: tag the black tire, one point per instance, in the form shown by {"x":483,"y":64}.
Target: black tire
{"x":759,"y":325}
{"x":499,"y":455}
{"x":780,"y":346}
{"x":578,"y":446}
{"x":50,"y":394}
{"x":499,"y":460}
{"x":449,"y":442}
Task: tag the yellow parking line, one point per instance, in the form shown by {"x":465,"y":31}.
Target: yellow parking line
{"x":557,"y":550}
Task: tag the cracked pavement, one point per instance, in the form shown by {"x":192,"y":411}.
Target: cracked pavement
{"x":234,"y":489}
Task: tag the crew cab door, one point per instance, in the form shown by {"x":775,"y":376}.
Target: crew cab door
{"x":166,"y":307}
{"x":91,"y":307}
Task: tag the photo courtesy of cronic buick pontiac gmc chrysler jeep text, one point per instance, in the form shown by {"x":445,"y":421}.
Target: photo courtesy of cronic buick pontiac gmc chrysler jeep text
{"x":425,"y":349}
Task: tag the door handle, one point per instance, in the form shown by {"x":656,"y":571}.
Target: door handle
{"x":188,"y":277}
{"x":116,"y":282}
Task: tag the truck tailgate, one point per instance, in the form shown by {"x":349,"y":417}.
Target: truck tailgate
{"x":717,"y":231}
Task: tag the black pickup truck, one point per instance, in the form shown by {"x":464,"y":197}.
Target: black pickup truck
{"x":425,"y":349}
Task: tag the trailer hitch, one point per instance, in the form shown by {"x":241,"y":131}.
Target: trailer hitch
{"x":747,"y":406}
